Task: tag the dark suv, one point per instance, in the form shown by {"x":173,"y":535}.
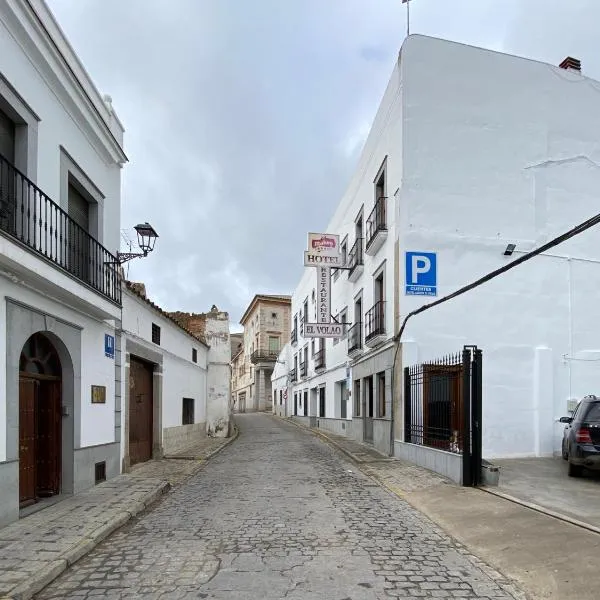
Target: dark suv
{"x":581,"y":439}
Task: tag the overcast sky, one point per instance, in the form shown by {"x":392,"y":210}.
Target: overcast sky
{"x":244,"y":118}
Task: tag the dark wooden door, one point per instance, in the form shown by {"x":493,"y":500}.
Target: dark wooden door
{"x":48,"y":426}
{"x":27,"y":450}
{"x":140,"y":411}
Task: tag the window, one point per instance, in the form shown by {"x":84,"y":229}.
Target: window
{"x":322,"y":401}
{"x":343,"y":399}
{"x":7,"y":137}
{"x":344,"y":319}
{"x":100,"y":472}
{"x":312,"y":347}
{"x":305,"y":311}
{"x":187,"y":412}
{"x":273,"y":345}
{"x":345,"y":251}
{"x":280,"y":397}
{"x":194,"y":355}
{"x":155,"y":334}
{"x":357,"y":397}
{"x":273,"y":315}
{"x":381,"y":394}
{"x":305,"y":403}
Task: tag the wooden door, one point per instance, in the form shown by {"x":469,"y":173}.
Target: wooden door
{"x":27,"y":450}
{"x":49,"y":438}
{"x":140,"y":411}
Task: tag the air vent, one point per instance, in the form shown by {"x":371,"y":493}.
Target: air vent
{"x":100,"y":472}
{"x":571,"y":64}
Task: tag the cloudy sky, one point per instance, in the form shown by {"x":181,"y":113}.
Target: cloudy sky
{"x":244,"y":118}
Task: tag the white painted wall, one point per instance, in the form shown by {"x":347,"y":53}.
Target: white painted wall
{"x":66,"y":119}
{"x":181,"y":377}
{"x":502,"y":150}
{"x":97,"y":420}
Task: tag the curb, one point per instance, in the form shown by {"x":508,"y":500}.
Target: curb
{"x":49,"y":572}
{"x":228,"y":441}
{"x":46,"y":574}
{"x":541,"y":509}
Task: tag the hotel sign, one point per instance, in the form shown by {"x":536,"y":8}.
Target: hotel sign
{"x":323,"y":253}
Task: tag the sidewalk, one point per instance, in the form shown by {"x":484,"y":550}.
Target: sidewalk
{"x":548,"y":558}
{"x":37,"y":549}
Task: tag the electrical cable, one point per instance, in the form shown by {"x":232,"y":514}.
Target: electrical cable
{"x":529,"y":255}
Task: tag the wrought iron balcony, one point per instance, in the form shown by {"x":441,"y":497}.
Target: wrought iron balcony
{"x":355,"y":260}
{"x":259,"y":356}
{"x":320,"y":359}
{"x":294,"y":335}
{"x":375,"y":324}
{"x":377,"y":226}
{"x":31,"y":218}
{"x":294,"y":375}
{"x":303,"y":368}
{"x":355,"y":339}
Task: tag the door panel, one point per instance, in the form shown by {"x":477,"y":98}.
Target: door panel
{"x":140,"y":411}
{"x":48,"y":454}
{"x":27,"y":450}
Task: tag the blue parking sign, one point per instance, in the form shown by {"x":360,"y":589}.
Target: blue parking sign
{"x":421,"y":274}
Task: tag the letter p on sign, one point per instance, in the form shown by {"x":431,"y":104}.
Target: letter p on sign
{"x":421,"y":274}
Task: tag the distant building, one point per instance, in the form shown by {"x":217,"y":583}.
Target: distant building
{"x":266,"y":325}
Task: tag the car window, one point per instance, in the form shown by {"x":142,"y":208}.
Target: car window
{"x":574,"y":415}
{"x":593,"y":414}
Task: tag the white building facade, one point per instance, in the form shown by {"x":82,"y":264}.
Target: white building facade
{"x":480,"y":150}
{"x":61,"y":154}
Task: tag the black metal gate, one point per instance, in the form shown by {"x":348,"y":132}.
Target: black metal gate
{"x":442,"y":408}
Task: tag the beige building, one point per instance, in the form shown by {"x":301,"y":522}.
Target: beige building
{"x":267,"y":324}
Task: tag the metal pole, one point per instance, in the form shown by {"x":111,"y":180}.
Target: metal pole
{"x":407,"y":18}
{"x":467,"y":475}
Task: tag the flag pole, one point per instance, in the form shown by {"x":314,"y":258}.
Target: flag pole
{"x":407,"y":18}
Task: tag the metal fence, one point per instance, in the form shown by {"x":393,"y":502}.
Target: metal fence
{"x":442,"y":407}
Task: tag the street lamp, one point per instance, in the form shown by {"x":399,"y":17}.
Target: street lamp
{"x":146,"y":240}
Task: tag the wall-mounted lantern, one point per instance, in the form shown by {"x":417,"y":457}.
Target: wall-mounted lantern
{"x":146,"y":240}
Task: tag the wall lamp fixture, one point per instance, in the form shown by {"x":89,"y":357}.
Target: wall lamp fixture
{"x":509,"y":249}
{"x":146,"y":240}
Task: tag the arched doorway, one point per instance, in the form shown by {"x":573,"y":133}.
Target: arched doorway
{"x":40,"y":432}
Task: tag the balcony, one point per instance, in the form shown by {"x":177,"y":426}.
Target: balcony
{"x":320,"y":360}
{"x":262,"y":356}
{"x":355,"y":340}
{"x":355,"y":260}
{"x":294,"y":375}
{"x":377,"y":227}
{"x":375,"y":325}
{"x":303,"y":368}
{"x":33,"y":220}
{"x":294,"y":335}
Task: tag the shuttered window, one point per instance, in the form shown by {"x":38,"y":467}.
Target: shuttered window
{"x":79,"y":208}
{"x":7,"y":138}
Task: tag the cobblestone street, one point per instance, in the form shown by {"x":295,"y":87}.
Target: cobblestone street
{"x":278,"y":514}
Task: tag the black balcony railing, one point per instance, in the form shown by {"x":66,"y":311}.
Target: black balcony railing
{"x":294,"y":335}
{"x":355,"y":256}
{"x":320,"y":359}
{"x":375,"y":321}
{"x":377,"y":219}
{"x":33,"y":219}
{"x":303,"y":368}
{"x":263,"y":356}
{"x":355,"y":337}
{"x":294,"y":374}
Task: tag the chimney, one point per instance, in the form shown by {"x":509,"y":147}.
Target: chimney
{"x":139,"y":288}
{"x":571,"y":64}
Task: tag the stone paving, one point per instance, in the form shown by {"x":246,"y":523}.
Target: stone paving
{"x":279,"y":514}
{"x":34,"y":550}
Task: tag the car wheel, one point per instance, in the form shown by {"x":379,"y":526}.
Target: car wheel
{"x":565,"y":454}
{"x":575,"y":470}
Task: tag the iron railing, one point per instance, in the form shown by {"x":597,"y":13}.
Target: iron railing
{"x":294,"y":374}
{"x":303,"y":368}
{"x":320,"y":359}
{"x":33,"y":219}
{"x":433,"y":404}
{"x":377,"y":219}
{"x":355,"y":337}
{"x":375,"y":320}
{"x":355,"y":256}
{"x":263,"y":356}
